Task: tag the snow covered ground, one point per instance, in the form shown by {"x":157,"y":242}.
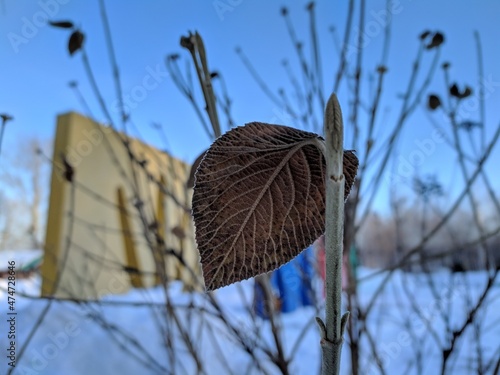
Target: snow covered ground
{"x":123,"y":334}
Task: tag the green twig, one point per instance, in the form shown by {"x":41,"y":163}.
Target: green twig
{"x":332,"y":331}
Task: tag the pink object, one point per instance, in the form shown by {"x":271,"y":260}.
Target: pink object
{"x":321,"y":257}
{"x":320,"y":254}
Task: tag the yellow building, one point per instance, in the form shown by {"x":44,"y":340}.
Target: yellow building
{"x":119,"y":215}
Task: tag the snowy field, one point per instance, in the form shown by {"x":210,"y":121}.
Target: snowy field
{"x":123,"y":334}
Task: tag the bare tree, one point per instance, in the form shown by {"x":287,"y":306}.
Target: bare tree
{"x":25,"y":175}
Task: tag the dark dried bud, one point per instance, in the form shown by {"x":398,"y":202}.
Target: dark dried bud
{"x":437,"y":40}
{"x":186,"y":42}
{"x":454,"y":91}
{"x":75,"y":42}
{"x":434,"y":102}
{"x":424,"y":35}
{"x":467,"y":92}
{"x":5,"y":117}
{"x":381,"y":69}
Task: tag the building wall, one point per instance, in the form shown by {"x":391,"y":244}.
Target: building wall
{"x":96,"y":237}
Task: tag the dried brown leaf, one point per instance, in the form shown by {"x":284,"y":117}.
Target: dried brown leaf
{"x":194,"y":167}
{"x":259,"y":200}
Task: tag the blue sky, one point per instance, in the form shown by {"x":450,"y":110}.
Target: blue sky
{"x":34,"y":74}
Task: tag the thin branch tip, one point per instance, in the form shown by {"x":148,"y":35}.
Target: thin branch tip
{"x":322,"y":328}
